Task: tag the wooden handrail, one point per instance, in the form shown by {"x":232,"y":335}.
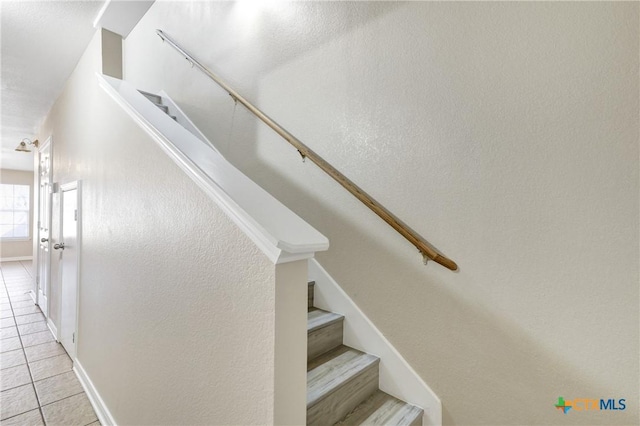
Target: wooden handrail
{"x":413,"y":237}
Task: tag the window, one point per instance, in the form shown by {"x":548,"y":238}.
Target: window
{"x":14,"y":211}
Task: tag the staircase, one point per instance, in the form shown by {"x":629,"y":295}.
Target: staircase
{"x":342,"y":383}
{"x":157,"y":101}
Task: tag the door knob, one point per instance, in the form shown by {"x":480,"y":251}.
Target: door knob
{"x":59,"y":246}
{"x":44,"y":240}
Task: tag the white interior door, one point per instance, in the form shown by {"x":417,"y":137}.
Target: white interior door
{"x":44,"y":227}
{"x":69,"y":247}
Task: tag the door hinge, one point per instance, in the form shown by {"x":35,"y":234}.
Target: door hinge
{"x":75,"y":215}
{"x":73,"y":338}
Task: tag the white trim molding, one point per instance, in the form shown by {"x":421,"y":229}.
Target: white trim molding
{"x":53,"y":329}
{"x":397,"y":377}
{"x":103,"y":413}
{"x":280,"y":233}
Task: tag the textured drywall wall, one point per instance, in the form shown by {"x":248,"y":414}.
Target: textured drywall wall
{"x":176,"y":305}
{"x":22,"y":248}
{"x":505,"y":133}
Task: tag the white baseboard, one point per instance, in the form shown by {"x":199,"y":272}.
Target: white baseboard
{"x":53,"y":329}
{"x":397,"y":377}
{"x":103,"y":413}
{"x":15,"y":259}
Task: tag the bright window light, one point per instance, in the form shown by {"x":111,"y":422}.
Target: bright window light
{"x":14,"y":211}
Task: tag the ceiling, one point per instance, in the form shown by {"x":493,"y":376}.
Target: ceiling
{"x":41,"y":43}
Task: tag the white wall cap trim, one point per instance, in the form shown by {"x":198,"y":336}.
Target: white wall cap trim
{"x":281,"y":234}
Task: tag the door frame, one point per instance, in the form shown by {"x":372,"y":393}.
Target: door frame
{"x":39,"y":295}
{"x":77,"y":185}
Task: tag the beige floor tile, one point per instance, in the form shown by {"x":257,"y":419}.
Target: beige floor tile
{"x":58,"y":387}
{"x":26,"y":319}
{"x":19,"y":297}
{"x":26,"y":310}
{"x":10,"y":344}
{"x":11,"y":359}
{"x":18,"y":289}
{"x":45,"y":350}
{"x":6,"y":313}
{"x":6,"y":333}
{"x":17,"y":293}
{"x":17,"y":401}
{"x":50,"y":367}
{"x":17,"y":280}
{"x":75,"y":410}
{"x":14,"y":377}
{"x":30,"y":418}
{"x":13,"y":278}
{"x":7,"y":322}
{"x":37,"y":338}
{"x":33,"y":327}
{"x":23,"y":304}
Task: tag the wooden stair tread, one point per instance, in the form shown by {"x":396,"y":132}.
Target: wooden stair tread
{"x":317,"y":318}
{"x":383,"y":409}
{"x":333,"y":369}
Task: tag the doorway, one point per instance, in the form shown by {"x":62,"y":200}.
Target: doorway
{"x":69,"y":248}
{"x":43,"y":270}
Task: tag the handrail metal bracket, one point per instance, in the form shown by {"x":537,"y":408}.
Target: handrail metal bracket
{"x":303,"y":155}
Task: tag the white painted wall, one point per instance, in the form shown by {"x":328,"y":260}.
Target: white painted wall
{"x":506,"y":133}
{"x":177,"y":316}
{"x":19,"y":248}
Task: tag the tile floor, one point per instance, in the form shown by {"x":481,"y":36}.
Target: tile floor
{"x":37,"y":386}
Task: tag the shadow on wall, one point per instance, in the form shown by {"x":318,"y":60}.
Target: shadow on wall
{"x":475,"y":362}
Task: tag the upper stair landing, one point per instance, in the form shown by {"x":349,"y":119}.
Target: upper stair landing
{"x":281,"y":234}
